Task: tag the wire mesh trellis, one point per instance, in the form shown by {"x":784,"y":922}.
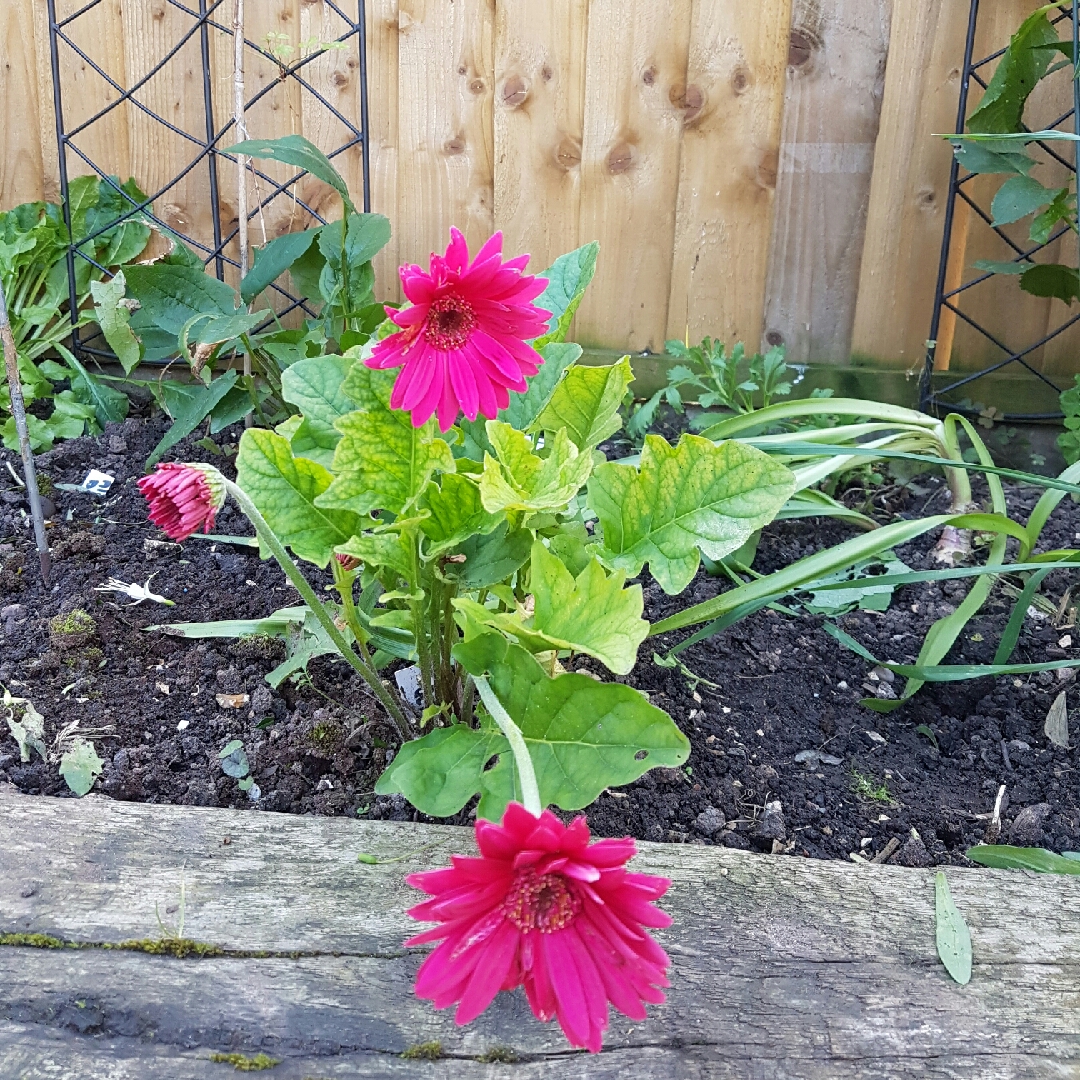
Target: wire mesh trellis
{"x":948,"y":297}
{"x":207,"y":18}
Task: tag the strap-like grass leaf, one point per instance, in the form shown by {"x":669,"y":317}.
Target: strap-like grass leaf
{"x":1004,"y":857}
{"x":953,"y":937}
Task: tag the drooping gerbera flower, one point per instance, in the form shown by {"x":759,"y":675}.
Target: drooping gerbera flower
{"x":463,"y":341}
{"x":183,"y":498}
{"x":543,"y":908}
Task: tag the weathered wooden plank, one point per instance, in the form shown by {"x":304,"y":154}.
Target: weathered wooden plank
{"x":539,"y":116}
{"x":909,"y":186}
{"x":21,"y":171}
{"x":782,"y":967}
{"x":382,"y":38}
{"x":835,"y":82}
{"x":446,"y":76}
{"x":635,"y":109}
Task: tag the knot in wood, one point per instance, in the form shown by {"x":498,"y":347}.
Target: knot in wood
{"x":648,"y":76}
{"x":454,"y":146}
{"x":740,"y":81}
{"x":801,"y":46}
{"x":568,"y":153}
{"x":620,"y":159}
{"x":514,"y":92}
{"x":477,"y":86}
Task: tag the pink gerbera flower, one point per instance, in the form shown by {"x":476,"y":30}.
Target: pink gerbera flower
{"x":183,"y":498}
{"x":543,"y":908}
{"x":463,"y":343}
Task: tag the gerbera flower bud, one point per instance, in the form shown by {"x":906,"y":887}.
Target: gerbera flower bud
{"x":183,"y":497}
{"x":544,"y":909}
{"x":348,"y":562}
{"x":463,"y":343}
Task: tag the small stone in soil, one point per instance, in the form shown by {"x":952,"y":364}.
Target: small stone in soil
{"x":771,"y":826}
{"x":709,"y":821}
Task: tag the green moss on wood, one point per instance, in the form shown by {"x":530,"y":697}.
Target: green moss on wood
{"x":33,"y":941}
{"x":428,"y":1051}
{"x":500,"y":1055}
{"x":181,"y":948}
{"x":243,"y":1063}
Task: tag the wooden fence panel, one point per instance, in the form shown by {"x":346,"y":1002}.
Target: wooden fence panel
{"x":835,"y":82}
{"x":765,"y":172}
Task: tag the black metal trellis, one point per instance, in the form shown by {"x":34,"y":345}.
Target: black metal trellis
{"x":931,"y":396}
{"x":206,"y":149}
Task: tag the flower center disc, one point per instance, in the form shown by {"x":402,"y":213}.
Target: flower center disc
{"x":544,"y":903}
{"x":449,"y":322}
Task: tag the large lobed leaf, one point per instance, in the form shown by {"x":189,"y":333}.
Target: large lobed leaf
{"x":697,"y":497}
{"x":284,"y":488}
{"x":587,"y":402}
{"x":590,"y":613}
{"x":315,"y":386}
{"x":518,"y":479}
{"x":567,"y":279}
{"x":382,"y":462}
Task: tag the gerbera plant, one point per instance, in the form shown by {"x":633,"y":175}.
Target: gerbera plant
{"x":449,"y":473}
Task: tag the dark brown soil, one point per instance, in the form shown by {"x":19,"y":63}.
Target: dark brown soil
{"x":770,"y":687}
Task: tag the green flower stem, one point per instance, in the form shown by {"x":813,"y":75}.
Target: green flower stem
{"x":530,"y":790}
{"x":420,"y":609}
{"x":365,"y":670}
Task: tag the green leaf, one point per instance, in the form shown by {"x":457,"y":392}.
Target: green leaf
{"x":567,"y":279}
{"x":953,"y":938}
{"x":1003,"y":857}
{"x":298,"y":151}
{"x":454,"y":514}
{"x":989,"y":266}
{"x":114,"y":318}
{"x":276,"y":625}
{"x":110,"y":406}
{"x":382,"y":462}
{"x":977,"y":158}
{"x":582,"y":735}
{"x":518,"y":479}
{"x":1053,"y":280}
{"x":442,"y":771}
{"x":587,"y":402}
{"x":490,"y":559}
{"x":234,"y":762}
{"x":80,"y":766}
{"x":697,"y":497}
{"x":1018,"y":197}
{"x":188,"y":405}
{"x":523,"y":409}
{"x":41,"y":437}
{"x":591,"y":613}
{"x":315,"y":387}
{"x":1022,"y":65}
{"x":374,"y":549}
{"x":273,"y":259}
{"x":234,"y":406}
{"x":69,"y":416}
{"x":285,"y":489}
{"x":170,"y":295}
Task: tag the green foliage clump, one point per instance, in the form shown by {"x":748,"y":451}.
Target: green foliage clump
{"x":72,"y":630}
{"x":865,"y":788}
{"x":33,"y":941}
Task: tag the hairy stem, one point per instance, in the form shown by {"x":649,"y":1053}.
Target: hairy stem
{"x":420,"y":609}
{"x":530,"y":790}
{"x":363,"y":668}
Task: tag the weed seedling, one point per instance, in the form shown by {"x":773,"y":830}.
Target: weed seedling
{"x":864,"y":788}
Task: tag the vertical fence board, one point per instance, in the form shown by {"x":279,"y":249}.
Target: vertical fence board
{"x":835,"y":82}
{"x":634,"y":109}
{"x":21,"y":173}
{"x":382,"y":37}
{"x":731,"y":142}
{"x":910,"y":183}
{"x":539,"y":115}
{"x":446,"y":76}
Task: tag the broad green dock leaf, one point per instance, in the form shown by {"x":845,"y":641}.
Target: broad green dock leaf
{"x":382,"y":462}
{"x":592,"y":613}
{"x":314,"y":386}
{"x":697,"y":497}
{"x":518,"y":479}
{"x":582,"y":735}
{"x":587,"y":402}
{"x":285,"y":488}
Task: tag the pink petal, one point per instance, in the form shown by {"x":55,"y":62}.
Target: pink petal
{"x":489,"y":976}
{"x":464,"y":384}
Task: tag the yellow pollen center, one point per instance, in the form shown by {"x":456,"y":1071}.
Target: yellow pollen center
{"x":545,"y":903}
{"x":449,"y":322}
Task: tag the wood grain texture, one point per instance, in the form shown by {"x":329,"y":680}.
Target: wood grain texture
{"x":635,"y":89}
{"x":382,"y":37}
{"x":832,"y":105}
{"x":782,"y":967}
{"x":539,"y":116}
{"x":728,"y":170}
{"x":21,"y":170}
{"x":446,"y":77}
{"x":910,"y":183}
